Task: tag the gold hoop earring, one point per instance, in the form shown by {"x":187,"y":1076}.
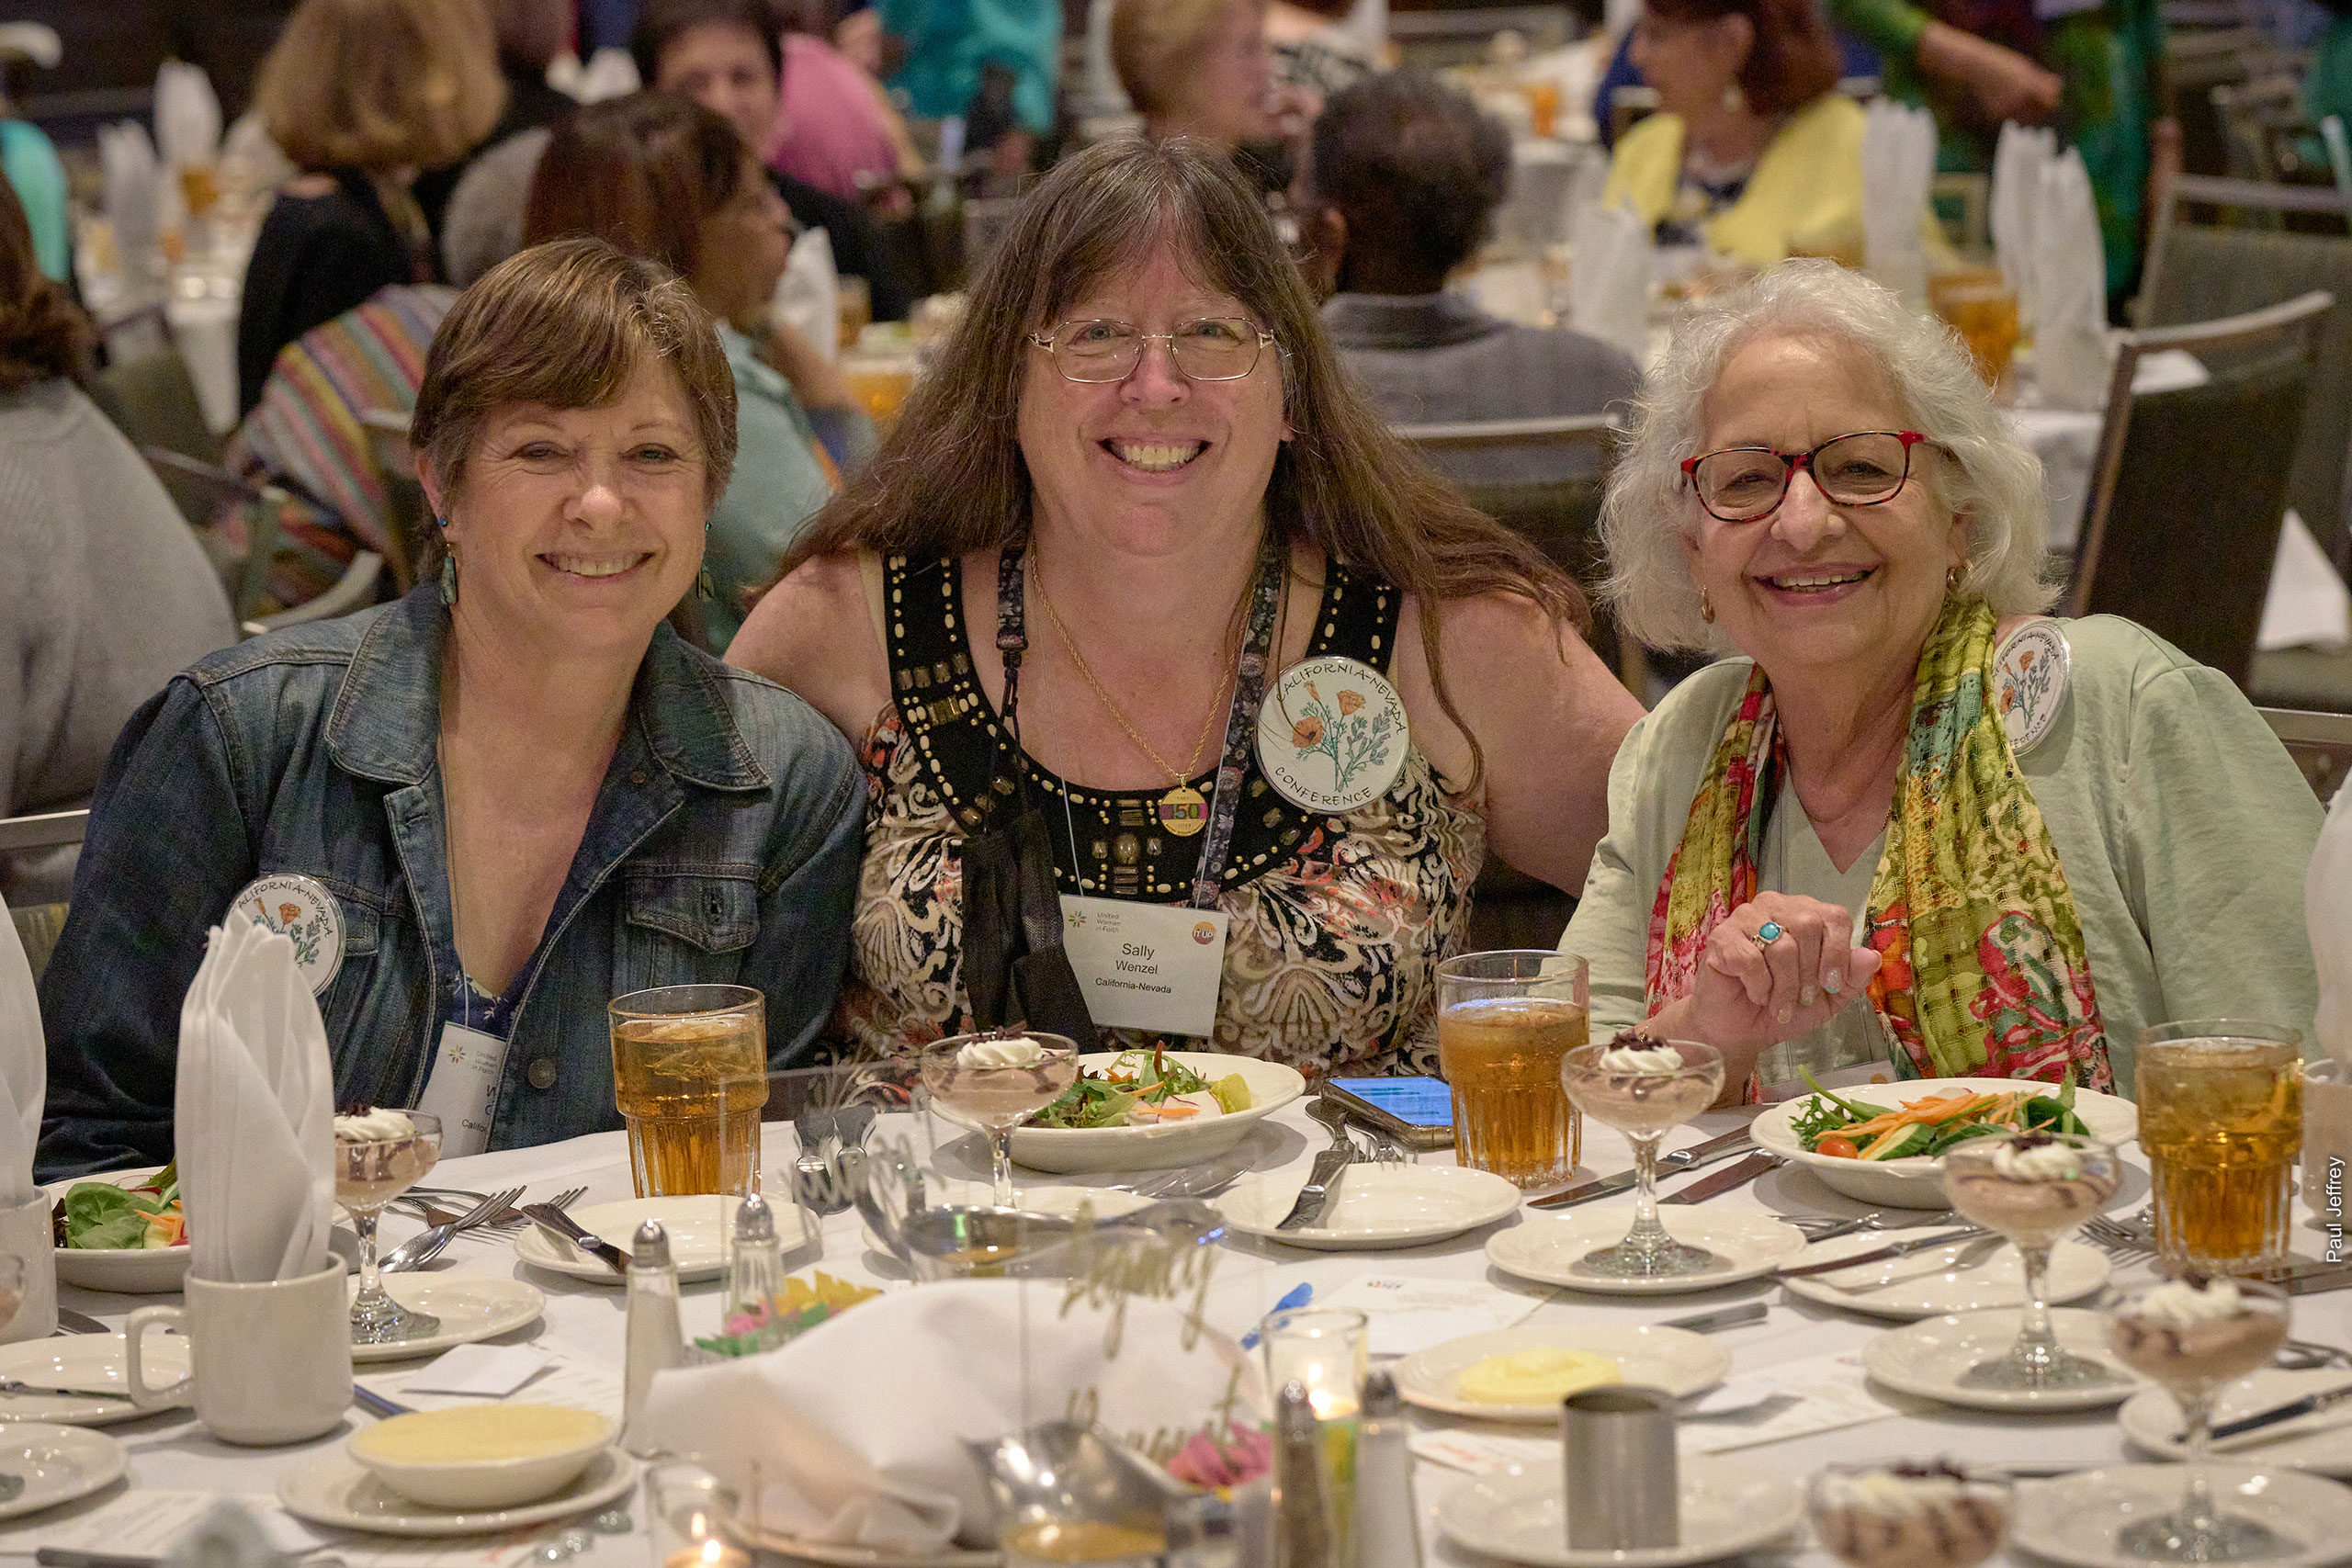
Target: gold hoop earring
{"x":1706,"y":608}
{"x":1736,"y":99}
{"x":1951,"y":580}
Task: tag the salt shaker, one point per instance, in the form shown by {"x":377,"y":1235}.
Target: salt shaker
{"x":653,"y":1338}
{"x":755,"y":1274}
{"x":1307,"y":1526}
{"x":1388,"y":1527}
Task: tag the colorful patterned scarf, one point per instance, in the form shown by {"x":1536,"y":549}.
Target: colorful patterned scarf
{"x":1982,"y":971}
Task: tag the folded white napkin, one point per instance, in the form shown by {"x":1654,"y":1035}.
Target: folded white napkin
{"x":2018,"y":162}
{"x":853,"y":1434}
{"x":188,"y":114}
{"x":2328,"y":915}
{"x":2306,"y":605}
{"x":2070,"y":358}
{"x":1898,"y":167}
{"x":1609,"y":277}
{"x":127,"y":160}
{"x":254,"y":1112}
{"x":808,"y":297}
{"x":24,"y":1069}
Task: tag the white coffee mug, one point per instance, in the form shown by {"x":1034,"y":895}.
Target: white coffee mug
{"x":268,"y":1362}
{"x":25,"y":1231}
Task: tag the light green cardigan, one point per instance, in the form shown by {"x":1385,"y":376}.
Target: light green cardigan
{"x":2182,"y":824}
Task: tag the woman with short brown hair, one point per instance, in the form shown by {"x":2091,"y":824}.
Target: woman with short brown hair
{"x":506,"y":799}
{"x":1070,"y":620}
{"x":362,"y":96}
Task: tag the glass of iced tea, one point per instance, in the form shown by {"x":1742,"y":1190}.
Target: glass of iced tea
{"x":1504,"y":1022}
{"x":1982,"y":309}
{"x":689,"y":1074}
{"x":2221,"y":1120}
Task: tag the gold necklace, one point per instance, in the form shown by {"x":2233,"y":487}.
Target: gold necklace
{"x":1183,"y":810}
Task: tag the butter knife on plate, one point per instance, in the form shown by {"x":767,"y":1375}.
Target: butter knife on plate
{"x":562,"y":1226}
{"x":1899,"y":1249}
{"x":1315,"y":1196}
{"x":2310,"y":1404}
{"x":1739,"y":1141}
{"x":1726,"y":1179}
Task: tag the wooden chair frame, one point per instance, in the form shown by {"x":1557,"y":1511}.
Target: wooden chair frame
{"x":2311,"y":737}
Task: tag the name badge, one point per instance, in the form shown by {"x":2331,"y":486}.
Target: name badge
{"x":2031,"y":664}
{"x":462,"y":1089}
{"x":300,"y":909}
{"x":1149,"y":966}
{"x":1332,"y":735}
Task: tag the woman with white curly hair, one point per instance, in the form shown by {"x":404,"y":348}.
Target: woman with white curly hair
{"x":2019,"y":838}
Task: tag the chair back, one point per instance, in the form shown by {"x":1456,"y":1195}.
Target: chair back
{"x":152,"y":400}
{"x":2204,"y":271}
{"x":43,"y":830}
{"x":2187,"y":497}
{"x":2321,"y":744}
{"x":2260,"y":119}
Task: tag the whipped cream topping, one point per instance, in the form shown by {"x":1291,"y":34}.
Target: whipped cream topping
{"x":2184,"y":1304}
{"x":1641,"y":1059}
{"x":2037,"y":1162}
{"x":373,"y":1126}
{"x":1890,"y":1495}
{"x":1018,"y":1052}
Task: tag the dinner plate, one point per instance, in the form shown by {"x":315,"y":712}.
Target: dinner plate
{"x":1924,"y":1284}
{"x":2074,"y":1519}
{"x":1377,"y":1206}
{"x":339,"y":1492}
{"x":697,"y":1226}
{"x":471,"y":1307}
{"x":1919,"y":1182}
{"x":1928,"y":1357}
{"x":869,"y":1556}
{"x":1728,"y":1508}
{"x":2309,"y":1443}
{"x":1271,"y":1087}
{"x":82,"y":1360}
{"x":1672,"y":1359}
{"x":145,"y":1271}
{"x":58,"y":1464}
{"x":1550,"y":1249}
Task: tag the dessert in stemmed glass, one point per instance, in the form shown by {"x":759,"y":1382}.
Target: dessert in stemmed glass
{"x":378,"y":1154}
{"x":995,"y":1082}
{"x":2193,"y":1334}
{"x":2032,"y":1187}
{"x":1908,"y":1516}
{"x":1642,"y":1088}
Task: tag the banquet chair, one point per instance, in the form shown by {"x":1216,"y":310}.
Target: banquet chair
{"x":2321,"y":744}
{"x":152,"y":400}
{"x":39,"y":925}
{"x":2189,"y":487}
{"x":245,"y":571}
{"x":2261,"y":121}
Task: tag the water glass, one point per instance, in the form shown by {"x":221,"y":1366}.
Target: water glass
{"x":689,"y":1075}
{"x":2222,"y":1119}
{"x":1505,"y":1021}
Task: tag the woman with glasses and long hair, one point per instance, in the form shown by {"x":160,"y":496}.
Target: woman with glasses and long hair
{"x":1919,"y":823}
{"x":1191,"y":702}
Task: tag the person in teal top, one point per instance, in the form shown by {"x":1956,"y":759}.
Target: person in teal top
{"x":2327,"y":90}
{"x":39,"y":180}
{"x":949,"y":40}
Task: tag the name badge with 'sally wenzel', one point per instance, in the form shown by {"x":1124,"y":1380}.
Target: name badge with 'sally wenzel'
{"x":1151,"y":967}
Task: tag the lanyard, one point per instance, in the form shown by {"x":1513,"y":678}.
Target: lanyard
{"x":1241,"y":718}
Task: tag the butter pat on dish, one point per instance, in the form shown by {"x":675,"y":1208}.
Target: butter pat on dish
{"x":1538,"y":1376}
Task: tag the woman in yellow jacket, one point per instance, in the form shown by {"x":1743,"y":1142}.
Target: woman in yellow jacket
{"x":1754,"y":153}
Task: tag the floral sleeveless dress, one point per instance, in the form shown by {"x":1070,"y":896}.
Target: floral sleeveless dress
{"x":1336,"y":923}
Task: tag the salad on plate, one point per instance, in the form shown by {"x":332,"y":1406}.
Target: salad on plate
{"x":99,"y":1215}
{"x":1143,"y":1089}
{"x":1845,"y":1128}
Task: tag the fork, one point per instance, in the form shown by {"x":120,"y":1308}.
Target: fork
{"x":1964,"y":1254}
{"x":511,"y":1218}
{"x":2305,"y":1355}
{"x":2116,"y":1240}
{"x":428,"y":1245}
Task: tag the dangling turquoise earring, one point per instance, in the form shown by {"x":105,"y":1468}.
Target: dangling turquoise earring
{"x":448,"y":568}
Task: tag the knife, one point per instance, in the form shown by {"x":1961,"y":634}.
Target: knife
{"x":1724,"y":1180}
{"x":71,"y":1322}
{"x":1724,"y":1317}
{"x":1316,"y":1195}
{"x":1739,"y":1141}
{"x":1899,"y":1249}
{"x":11,"y":1386}
{"x":2311,"y":1282}
{"x":547,"y":1217}
{"x":2308,"y":1404}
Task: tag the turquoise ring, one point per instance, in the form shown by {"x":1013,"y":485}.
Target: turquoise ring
{"x":1769,"y":932}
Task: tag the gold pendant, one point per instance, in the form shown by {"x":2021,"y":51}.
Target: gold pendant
{"x":1183,"y":811}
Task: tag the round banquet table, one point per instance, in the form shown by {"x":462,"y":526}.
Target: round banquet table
{"x":173,"y":1453}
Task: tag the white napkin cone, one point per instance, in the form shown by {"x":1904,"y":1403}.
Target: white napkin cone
{"x":127,"y":160}
{"x":2017,"y":163}
{"x":1898,"y":168}
{"x":2328,"y":915}
{"x":2071,"y":359}
{"x":254,"y":1112}
{"x":853,"y":1434}
{"x":188,"y":114}
{"x":808,"y":297}
{"x":24,"y":1069}
{"x":1609,"y":277}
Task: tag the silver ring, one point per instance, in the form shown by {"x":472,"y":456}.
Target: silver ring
{"x":1769,"y":932}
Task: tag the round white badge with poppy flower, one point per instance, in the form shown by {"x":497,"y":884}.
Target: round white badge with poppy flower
{"x":300,"y":909}
{"x":1332,"y":735}
{"x":2032,"y":663}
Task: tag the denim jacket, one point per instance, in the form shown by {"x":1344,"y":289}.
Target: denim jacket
{"x":723,"y":848}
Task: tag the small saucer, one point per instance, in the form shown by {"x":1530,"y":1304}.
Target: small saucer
{"x":1929,"y":1358}
{"x":338,"y":1491}
{"x":1926,"y":1285}
{"x":57,"y":1463}
{"x":1675,"y":1360}
{"x":1551,"y":1250}
{"x":471,"y":1307}
{"x":2075,"y":1518}
{"x":2320,"y":1443}
{"x":1727,"y":1509}
{"x":697,"y":1227}
{"x":84,"y":1360}
{"x":1376,"y":1207}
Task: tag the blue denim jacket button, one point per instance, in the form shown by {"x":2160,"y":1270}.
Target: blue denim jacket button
{"x":541,"y":1073}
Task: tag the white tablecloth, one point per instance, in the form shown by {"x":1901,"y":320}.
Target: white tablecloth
{"x":173,"y":1453}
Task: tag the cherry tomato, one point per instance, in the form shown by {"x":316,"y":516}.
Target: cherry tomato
{"x":1837,"y":1147}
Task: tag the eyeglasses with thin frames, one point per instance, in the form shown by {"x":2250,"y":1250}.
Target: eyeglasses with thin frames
{"x":1741,"y":484}
{"x":1214,"y":348}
